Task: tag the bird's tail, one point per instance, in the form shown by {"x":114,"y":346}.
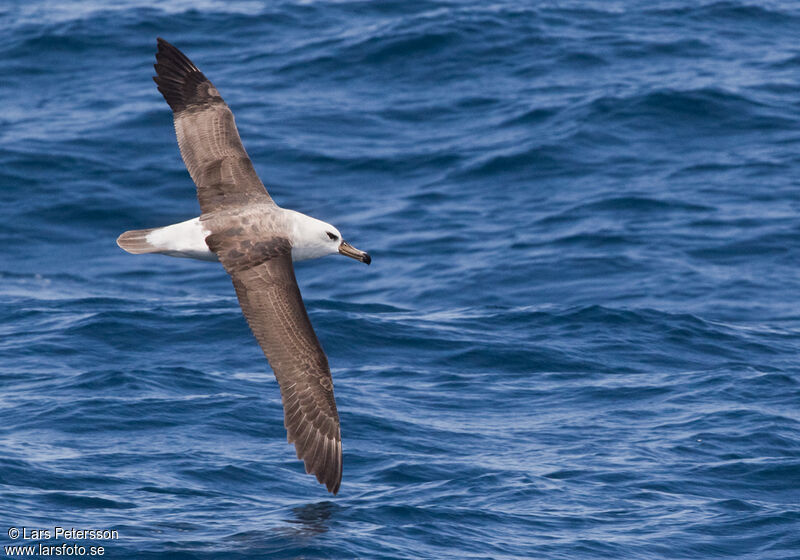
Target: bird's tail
{"x":135,"y":241}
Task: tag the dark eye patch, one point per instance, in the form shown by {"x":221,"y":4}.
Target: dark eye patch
{"x":332,"y":235}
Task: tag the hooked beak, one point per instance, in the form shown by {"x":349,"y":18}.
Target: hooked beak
{"x":349,"y":251}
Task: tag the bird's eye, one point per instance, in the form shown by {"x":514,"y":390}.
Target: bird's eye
{"x":332,"y":235}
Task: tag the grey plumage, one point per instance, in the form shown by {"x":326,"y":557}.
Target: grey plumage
{"x":207,"y":135}
{"x":247,"y":235}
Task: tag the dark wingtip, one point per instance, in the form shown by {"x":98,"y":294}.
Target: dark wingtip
{"x":333,"y":488}
{"x":179,"y":80}
{"x":324,"y":462}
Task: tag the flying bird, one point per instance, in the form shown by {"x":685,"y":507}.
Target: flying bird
{"x":256,"y":241}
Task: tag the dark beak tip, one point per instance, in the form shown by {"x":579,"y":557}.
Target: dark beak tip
{"x":367,"y":259}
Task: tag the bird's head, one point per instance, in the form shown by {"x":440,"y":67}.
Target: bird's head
{"x":314,"y":238}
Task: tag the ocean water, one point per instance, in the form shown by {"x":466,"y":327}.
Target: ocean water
{"x":579,"y":335}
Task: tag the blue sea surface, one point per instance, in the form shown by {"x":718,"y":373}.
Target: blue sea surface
{"x":580,"y":334}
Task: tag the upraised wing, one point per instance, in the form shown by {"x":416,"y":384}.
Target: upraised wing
{"x":207,"y":134}
{"x":264,"y":279}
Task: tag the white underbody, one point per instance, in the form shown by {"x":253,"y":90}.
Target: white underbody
{"x":188,"y":239}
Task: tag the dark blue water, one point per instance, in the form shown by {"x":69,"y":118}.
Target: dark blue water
{"x":579,"y":336}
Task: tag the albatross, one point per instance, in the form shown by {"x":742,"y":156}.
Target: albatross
{"x":256,"y":241}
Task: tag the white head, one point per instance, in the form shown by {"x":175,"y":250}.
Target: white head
{"x":312,"y":238}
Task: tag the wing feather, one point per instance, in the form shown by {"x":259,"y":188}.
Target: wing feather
{"x":272,"y":304}
{"x":207,"y":135}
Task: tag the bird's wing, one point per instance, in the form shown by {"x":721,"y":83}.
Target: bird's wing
{"x":207,"y":134}
{"x":264,"y":279}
